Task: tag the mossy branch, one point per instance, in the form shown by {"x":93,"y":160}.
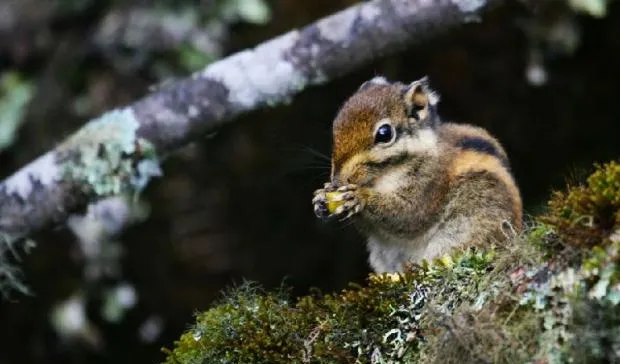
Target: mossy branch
{"x":542,"y":297}
{"x":118,"y":151}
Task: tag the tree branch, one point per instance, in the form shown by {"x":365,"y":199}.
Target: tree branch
{"x":118,"y":152}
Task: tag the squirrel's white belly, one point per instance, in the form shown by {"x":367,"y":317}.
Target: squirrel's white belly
{"x":391,"y":254}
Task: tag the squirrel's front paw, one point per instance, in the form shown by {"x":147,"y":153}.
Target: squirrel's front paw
{"x":321,"y":201}
{"x":331,"y":202}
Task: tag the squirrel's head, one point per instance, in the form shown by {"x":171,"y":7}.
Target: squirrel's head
{"x":383,"y":125}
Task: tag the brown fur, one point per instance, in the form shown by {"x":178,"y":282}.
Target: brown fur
{"x":353,"y":127}
{"x":437,"y":186}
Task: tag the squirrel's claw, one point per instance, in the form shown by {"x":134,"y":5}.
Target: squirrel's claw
{"x":346,"y":194}
{"x":349,"y":208}
{"x":347,"y":188}
{"x":320,"y":204}
{"x":321,"y":211}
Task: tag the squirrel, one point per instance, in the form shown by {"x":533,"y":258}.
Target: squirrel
{"x":414,"y":185}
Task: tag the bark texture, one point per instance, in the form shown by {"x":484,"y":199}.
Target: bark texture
{"x":119,"y":151}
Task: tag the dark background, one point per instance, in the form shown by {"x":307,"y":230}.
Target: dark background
{"x":237,"y":206}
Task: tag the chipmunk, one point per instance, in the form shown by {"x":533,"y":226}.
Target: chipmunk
{"x":415,"y":186}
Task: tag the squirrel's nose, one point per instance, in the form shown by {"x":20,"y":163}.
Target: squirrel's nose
{"x":344,"y":176}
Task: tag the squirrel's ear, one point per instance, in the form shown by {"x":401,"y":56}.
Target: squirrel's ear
{"x":379,"y":80}
{"x":421,"y":101}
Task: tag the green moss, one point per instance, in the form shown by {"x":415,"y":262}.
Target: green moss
{"x":588,"y":214}
{"x":107,"y":157}
{"x":545,"y":296}
{"x":380,"y":320}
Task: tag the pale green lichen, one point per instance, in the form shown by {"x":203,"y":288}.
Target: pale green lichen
{"x":251,"y":11}
{"x":595,"y":8}
{"x":107,"y":157}
{"x":15,"y":94}
{"x":571,"y":304}
{"x":469,"y":6}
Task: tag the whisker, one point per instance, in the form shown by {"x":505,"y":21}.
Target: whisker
{"x":316,"y":180}
{"x":311,"y":151}
{"x":311,"y":167}
{"x":317,"y":153}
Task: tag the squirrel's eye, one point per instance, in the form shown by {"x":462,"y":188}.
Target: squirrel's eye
{"x":384,"y":134}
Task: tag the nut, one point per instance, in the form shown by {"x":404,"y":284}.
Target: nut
{"x":334,"y":199}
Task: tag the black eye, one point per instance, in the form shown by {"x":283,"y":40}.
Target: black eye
{"x":384,"y":134}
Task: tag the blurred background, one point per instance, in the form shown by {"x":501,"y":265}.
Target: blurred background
{"x":542,"y":76}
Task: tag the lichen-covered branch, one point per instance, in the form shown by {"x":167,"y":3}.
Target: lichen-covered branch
{"x":118,"y":152}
